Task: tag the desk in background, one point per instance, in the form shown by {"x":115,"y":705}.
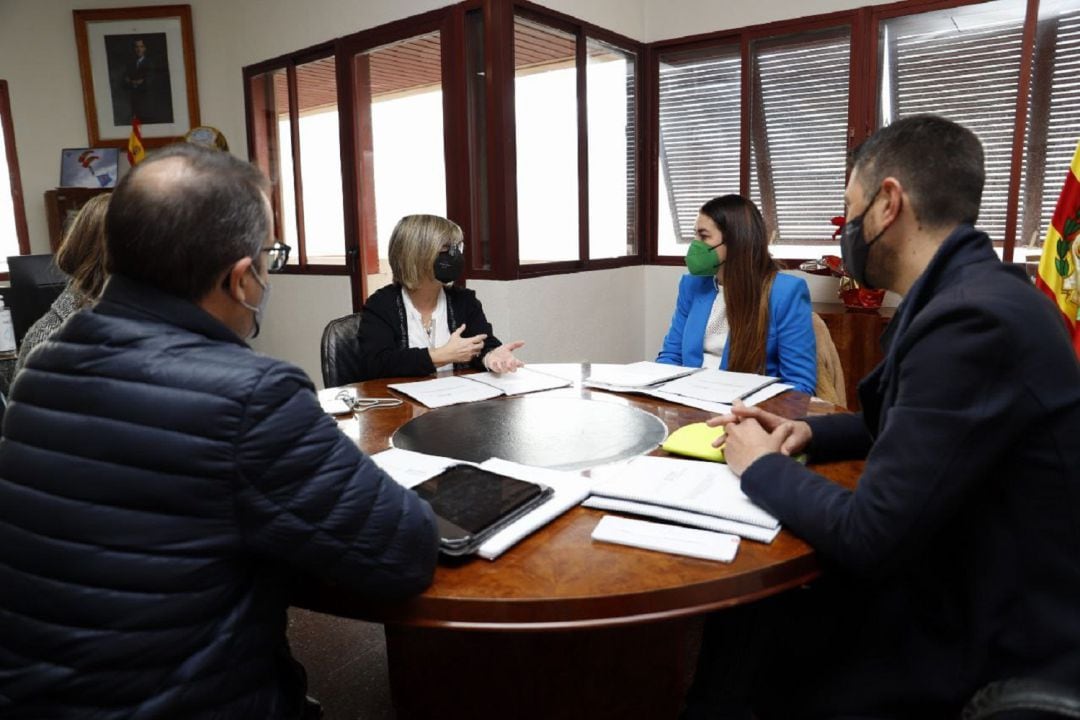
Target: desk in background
{"x":559,"y":624}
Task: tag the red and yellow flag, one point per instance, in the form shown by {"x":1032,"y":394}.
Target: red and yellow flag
{"x":1059,"y":267}
{"x":135,"y":150}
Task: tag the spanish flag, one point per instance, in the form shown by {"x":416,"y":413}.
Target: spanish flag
{"x":1059,"y":267}
{"x":135,"y":150}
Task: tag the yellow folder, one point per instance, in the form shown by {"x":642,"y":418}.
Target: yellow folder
{"x":695,"y":440}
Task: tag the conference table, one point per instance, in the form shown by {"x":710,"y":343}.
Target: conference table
{"x":560,"y":625}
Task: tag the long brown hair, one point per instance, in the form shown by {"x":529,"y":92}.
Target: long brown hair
{"x":748,"y":276}
{"x":82,"y":253}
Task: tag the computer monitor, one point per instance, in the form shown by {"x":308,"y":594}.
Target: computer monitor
{"x":35,"y":283}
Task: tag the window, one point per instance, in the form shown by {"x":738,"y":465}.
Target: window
{"x":13,"y":235}
{"x":576,"y":125}
{"x":1053,"y":125}
{"x":294,"y":137}
{"x":962,"y":63}
{"x":699,"y":115}
{"x":399,"y":102}
{"x":799,"y":134}
{"x":545,"y":116}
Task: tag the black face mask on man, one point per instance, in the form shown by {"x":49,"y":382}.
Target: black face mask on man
{"x":854,"y":247}
{"x":448,"y":265}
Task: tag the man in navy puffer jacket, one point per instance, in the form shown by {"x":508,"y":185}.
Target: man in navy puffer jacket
{"x":161,"y":483}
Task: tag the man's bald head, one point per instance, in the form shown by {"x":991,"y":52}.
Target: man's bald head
{"x":182,"y":217}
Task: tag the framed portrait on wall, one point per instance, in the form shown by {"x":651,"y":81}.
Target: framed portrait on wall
{"x":137,"y":62}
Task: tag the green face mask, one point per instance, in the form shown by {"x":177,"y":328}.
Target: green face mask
{"x":701,"y":259}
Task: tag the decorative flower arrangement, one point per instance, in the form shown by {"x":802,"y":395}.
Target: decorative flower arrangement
{"x":851,"y":293}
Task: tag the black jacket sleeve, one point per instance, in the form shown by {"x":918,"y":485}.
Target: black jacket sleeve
{"x":468,"y":311}
{"x":381,"y":354}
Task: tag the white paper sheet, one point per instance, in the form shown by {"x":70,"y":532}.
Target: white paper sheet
{"x":684,"y":517}
{"x":634,"y":375}
{"x":703,"y":544}
{"x":410,"y":468}
{"x":718,"y":386}
{"x":444,"y":391}
{"x":519,"y":382}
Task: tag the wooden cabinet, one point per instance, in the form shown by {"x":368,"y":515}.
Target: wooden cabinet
{"x":857,"y":335}
{"x":61,"y":205}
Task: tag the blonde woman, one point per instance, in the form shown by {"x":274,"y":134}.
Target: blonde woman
{"x":81,"y":256}
{"x":421,"y":322}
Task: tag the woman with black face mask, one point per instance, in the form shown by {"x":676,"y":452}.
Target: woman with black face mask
{"x":734,"y":310}
{"x":421,"y":322}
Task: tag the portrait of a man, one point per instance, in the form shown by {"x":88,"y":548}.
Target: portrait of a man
{"x":139,"y":78}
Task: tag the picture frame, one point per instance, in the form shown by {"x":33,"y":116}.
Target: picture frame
{"x":89,"y":167}
{"x":137,"y":62}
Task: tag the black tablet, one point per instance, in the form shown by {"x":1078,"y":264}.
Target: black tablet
{"x":472,"y":504}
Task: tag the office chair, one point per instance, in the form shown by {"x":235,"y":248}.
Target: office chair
{"x":340,"y":351}
{"x":830,"y":374}
{"x":1023,"y":698}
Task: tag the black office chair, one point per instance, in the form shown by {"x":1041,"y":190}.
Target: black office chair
{"x":341,"y":351}
{"x":1023,"y":698}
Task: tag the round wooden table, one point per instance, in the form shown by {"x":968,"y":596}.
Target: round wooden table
{"x":561,"y":626}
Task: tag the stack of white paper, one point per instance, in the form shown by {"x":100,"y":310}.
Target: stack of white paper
{"x":718,"y":386}
{"x":684,"y":491}
{"x":667,"y":538}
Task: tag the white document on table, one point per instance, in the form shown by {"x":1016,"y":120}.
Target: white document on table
{"x":717,"y":408}
{"x":569,"y":490}
{"x":701,"y":487}
{"x":718,"y":386}
{"x":634,"y":375}
{"x":691,"y":542}
{"x":519,"y":382}
{"x":444,"y":391}
{"x":684,"y":517}
{"x":409,"y":468}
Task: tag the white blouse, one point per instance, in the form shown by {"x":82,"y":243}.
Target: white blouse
{"x":716,"y":333}
{"x":436,"y":334}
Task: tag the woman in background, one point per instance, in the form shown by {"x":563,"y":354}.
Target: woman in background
{"x":421,"y":322}
{"x":81,"y":256}
{"x":761,"y":321}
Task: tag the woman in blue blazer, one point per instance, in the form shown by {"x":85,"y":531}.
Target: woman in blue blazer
{"x":760,"y":323}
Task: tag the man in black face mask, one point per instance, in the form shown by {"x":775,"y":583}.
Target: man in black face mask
{"x":953,"y":563}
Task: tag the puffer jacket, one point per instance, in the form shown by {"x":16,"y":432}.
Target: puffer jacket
{"x":160,"y":484}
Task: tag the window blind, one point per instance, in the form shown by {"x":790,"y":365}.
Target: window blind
{"x":799,"y":129}
{"x":699,"y":131}
{"x":939,"y":63}
{"x":1053,"y":121}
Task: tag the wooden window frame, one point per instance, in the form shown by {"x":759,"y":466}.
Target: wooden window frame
{"x":7,"y":126}
{"x":257,"y":152}
{"x":862,"y":96}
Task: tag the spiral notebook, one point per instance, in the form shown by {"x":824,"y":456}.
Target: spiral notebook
{"x":706,"y":488}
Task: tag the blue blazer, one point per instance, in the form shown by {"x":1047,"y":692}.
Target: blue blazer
{"x":790,"y":351}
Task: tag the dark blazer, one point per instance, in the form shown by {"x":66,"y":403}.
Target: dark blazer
{"x":160,"y":485}
{"x":961,"y":541}
{"x":384,"y":333}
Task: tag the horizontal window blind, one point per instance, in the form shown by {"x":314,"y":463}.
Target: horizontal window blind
{"x":699,"y":131}
{"x":799,"y":121}
{"x":1053,"y":120}
{"x":944,"y":63}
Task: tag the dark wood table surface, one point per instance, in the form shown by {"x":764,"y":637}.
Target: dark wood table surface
{"x":524,"y":628}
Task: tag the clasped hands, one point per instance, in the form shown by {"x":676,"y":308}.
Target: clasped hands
{"x":750,"y":432}
{"x":460,"y":349}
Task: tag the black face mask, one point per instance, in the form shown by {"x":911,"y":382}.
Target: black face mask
{"x":448,"y":266}
{"x":854,"y":247}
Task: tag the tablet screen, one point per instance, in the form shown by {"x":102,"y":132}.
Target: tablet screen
{"x":474,"y":499}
